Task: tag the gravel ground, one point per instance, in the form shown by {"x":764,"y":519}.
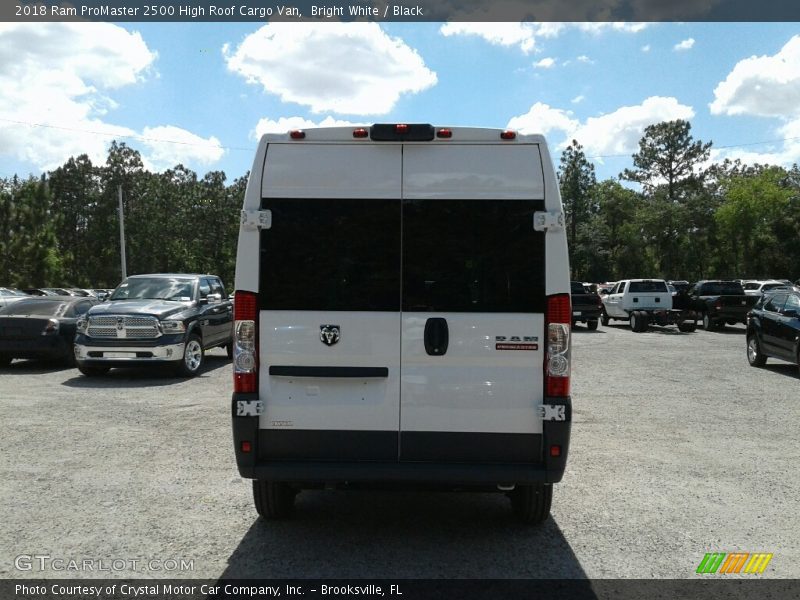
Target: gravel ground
{"x":679,"y":448}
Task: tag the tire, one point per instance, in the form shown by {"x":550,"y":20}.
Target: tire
{"x":531,"y":503}
{"x":591,"y":325}
{"x":634,"y":321}
{"x":229,"y":350}
{"x":193,"y":357}
{"x":687,"y":327}
{"x":708,"y":323}
{"x":273,"y":500}
{"x":754,"y":356}
{"x":93,"y":371}
{"x":604,"y":318}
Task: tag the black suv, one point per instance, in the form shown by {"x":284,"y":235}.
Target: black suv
{"x":773,"y":328}
{"x":156,"y":319}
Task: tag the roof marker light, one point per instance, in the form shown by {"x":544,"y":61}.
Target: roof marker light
{"x":360,"y":133}
{"x":401,"y":128}
{"x":297,"y":134}
{"x":508,"y":135}
{"x":444,"y":133}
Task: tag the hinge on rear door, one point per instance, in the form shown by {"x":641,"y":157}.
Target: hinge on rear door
{"x":249,"y":408}
{"x":256,"y":219}
{"x":553,"y":412}
{"x":542,"y":221}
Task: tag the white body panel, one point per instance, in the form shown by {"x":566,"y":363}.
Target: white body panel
{"x":369,"y":339}
{"x":474,"y":386}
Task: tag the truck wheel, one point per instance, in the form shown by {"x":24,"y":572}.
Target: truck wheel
{"x":687,"y":327}
{"x":93,"y":371}
{"x":591,"y":325}
{"x":193,"y":356}
{"x":604,"y":318}
{"x":634,"y":321}
{"x":754,"y":356}
{"x":708,"y":323}
{"x":273,"y":499}
{"x":531,"y":503}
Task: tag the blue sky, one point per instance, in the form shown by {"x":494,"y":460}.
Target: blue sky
{"x":200,"y":93}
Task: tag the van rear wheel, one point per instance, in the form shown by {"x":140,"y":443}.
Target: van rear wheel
{"x":274,"y":500}
{"x":604,"y":318}
{"x":531,"y":503}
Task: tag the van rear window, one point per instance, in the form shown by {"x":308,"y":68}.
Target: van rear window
{"x":472,"y":256}
{"x":331,"y":254}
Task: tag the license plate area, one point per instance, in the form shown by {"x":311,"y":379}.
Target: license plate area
{"x":119,"y":354}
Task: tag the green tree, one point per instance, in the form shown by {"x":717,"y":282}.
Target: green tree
{"x":576,"y":180}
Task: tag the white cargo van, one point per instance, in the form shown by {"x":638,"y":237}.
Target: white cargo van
{"x":402,"y":315}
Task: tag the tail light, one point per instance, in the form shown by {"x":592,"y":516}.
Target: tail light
{"x":297,"y":134}
{"x":599,"y":300}
{"x":718,"y":304}
{"x":245,"y":342}
{"x":558,"y":320}
{"x":508,"y":135}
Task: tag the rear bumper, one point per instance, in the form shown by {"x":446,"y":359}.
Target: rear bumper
{"x":586,"y":314}
{"x":311,"y":464}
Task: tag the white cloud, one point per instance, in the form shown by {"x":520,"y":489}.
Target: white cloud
{"x":618,"y":132}
{"x":684,"y":45}
{"x":578,"y":99}
{"x":284,"y":124}
{"x":545,"y":63}
{"x":346,"y":68}
{"x":525,"y":35}
{"x":785,"y":152}
{"x":585,"y":59}
{"x":765,"y":86}
{"x":55,"y":86}
{"x":646,"y":48}
{"x":542,"y":118}
{"x":169,"y":146}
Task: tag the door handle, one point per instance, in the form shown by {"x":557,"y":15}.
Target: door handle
{"x":437,"y":336}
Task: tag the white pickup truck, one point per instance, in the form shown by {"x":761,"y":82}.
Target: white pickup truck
{"x":643,"y":302}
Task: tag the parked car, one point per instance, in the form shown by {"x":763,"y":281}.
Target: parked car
{"x":680,"y":285}
{"x":757,"y":288}
{"x":156,"y":319}
{"x":720,"y":302}
{"x":41,"y":327}
{"x":773,"y":328}
{"x":39,"y":292}
{"x":10,"y":295}
{"x":586,"y":305}
{"x":645,"y":301}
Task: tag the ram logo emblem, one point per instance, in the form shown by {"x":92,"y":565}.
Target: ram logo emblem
{"x":329,"y":334}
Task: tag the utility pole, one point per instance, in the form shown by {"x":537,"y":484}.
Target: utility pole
{"x":122,"y":233}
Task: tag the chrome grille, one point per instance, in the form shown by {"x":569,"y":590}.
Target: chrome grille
{"x":121,"y":327}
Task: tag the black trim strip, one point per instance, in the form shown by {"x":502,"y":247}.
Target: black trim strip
{"x":327,"y":445}
{"x":470,"y":447}
{"x":356,"y":372}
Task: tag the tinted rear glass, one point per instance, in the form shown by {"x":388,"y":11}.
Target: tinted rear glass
{"x":647,"y":286}
{"x":331,"y":254}
{"x":472,"y":256}
{"x":577,"y":288}
{"x":721,"y":288}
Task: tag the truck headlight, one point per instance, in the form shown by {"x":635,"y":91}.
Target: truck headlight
{"x":172,"y":327}
{"x":82,"y":325}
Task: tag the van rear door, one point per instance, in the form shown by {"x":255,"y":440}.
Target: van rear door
{"x":473,"y":303}
{"x":329,"y":299}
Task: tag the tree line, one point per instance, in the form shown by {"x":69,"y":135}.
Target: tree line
{"x":62,"y":229}
{"x":680,"y":217}
{"x":671,"y":215}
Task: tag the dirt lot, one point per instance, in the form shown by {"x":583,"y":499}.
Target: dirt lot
{"x":679,"y":448}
